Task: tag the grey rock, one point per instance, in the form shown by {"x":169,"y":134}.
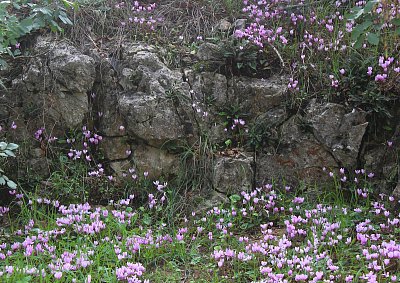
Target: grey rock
{"x":131,"y":49}
{"x":57,"y":110}
{"x":256,"y":96}
{"x":223,"y":25}
{"x":73,"y":71}
{"x":209,"y":52}
{"x":211,"y":87}
{"x":72,"y":108}
{"x":233,"y":175}
{"x":382,"y":160}
{"x":274,"y":117}
{"x":151,"y":76}
{"x":299,"y":157}
{"x":61,"y":81}
{"x":155,"y":161}
{"x":240,"y":24}
{"x":265,"y":129}
{"x":36,"y":78}
{"x":120,"y":167}
{"x":110,"y":119}
{"x":396,"y":192}
{"x":39,"y":166}
{"x":115,"y":148}
{"x":126,"y":79}
{"x":153,"y":119}
{"x":340,"y":131}
{"x":214,"y":199}
{"x":157,"y":108}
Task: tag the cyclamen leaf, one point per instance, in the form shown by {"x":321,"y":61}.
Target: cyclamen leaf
{"x":356,"y":13}
{"x":370,"y":5}
{"x":373,"y":38}
{"x":16,"y":6}
{"x":366,"y":24}
{"x":69,"y":4}
{"x":9,"y":153}
{"x":359,"y":42}
{"x":44,"y":11}
{"x":12,"y":146}
{"x":11,"y":184}
{"x":25,"y":280}
{"x":234,"y":198}
{"x":65,"y":19}
{"x":54,"y":26}
{"x":359,"y":29}
{"x":396,"y":22}
{"x":3,"y":145}
{"x":27,"y":24}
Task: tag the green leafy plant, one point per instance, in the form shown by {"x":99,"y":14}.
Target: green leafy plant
{"x":243,"y":58}
{"x":235,"y":126}
{"x":21,"y":17}
{"x":7,"y":150}
{"x":371,"y":23}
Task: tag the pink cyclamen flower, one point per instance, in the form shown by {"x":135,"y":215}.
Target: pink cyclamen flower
{"x":380,"y":77}
{"x":301,"y":277}
{"x":58,"y":275}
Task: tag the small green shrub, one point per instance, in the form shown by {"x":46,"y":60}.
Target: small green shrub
{"x":21,"y":17}
{"x":371,"y":25}
{"x":7,"y":150}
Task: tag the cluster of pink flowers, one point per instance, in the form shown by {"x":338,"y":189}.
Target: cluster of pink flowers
{"x":89,"y":139}
{"x":139,"y":14}
{"x":297,"y":241}
{"x":4,"y":210}
{"x":322,"y":37}
{"x":40,"y":135}
{"x":384,"y":64}
{"x":131,"y":272}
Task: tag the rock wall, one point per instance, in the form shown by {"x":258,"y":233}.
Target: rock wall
{"x":148,"y":113}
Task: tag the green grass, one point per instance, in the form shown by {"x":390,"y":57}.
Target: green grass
{"x":259,"y":233}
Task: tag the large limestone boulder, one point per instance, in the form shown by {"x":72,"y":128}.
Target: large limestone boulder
{"x":115,"y":148}
{"x":154,"y":119}
{"x":143,"y":71}
{"x":72,"y":71}
{"x":158,"y":163}
{"x":209,"y":52}
{"x":256,"y":96}
{"x":299,"y":157}
{"x":155,"y":104}
{"x":209,"y":87}
{"x":233,"y":174}
{"x":338,"y":129}
{"x":55,"y":84}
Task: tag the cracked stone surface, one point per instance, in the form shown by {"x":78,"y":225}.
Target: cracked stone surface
{"x":63,"y":88}
{"x":339,"y":130}
{"x":233,"y":175}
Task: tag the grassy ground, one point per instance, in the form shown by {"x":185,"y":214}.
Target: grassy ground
{"x":271,"y":234}
{"x":268,"y":235}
